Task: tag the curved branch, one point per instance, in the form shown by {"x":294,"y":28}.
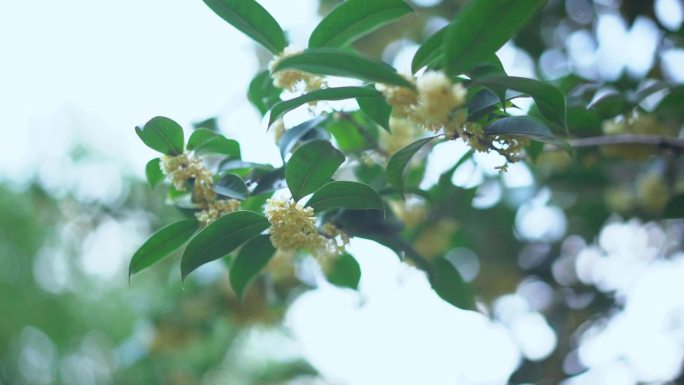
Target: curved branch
{"x":665,"y":143}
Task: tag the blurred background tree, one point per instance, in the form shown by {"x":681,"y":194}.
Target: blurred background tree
{"x":578,"y":258}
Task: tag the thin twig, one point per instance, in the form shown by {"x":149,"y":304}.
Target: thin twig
{"x":672,"y":144}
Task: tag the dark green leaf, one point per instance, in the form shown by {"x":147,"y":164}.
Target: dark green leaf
{"x":336,"y":93}
{"x":269,"y":181}
{"x":377,"y":109}
{"x":153,"y":172}
{"x":231,"y":186}
{"x":205,"y":141}
{"x":348,"y":135}
{"x":609,"y":105}
{"x":338,"y":62}
{"x":549,"y":99}
{"x":161,"y":244}
{"x":162,"y":134}
{"x":311,"y":166}
{"x":398,"y":162}
{"x":448,"y":283}
{"x":262,"y":93}
{"x":253,"y":257}
{"x":675,"y":208}
{"x":345,"y":272}
{"x":647,"y":91}
{"x":210,"y":124}
{"x":430,"y":52}
{"x":346,"y":195}
{"x":482,"y":27}
{"x":253,"y":20}
{"x":521,"y":126}
{"x":220,"y":238}
{"x":355,"y":18}
{"x":292,"y":136}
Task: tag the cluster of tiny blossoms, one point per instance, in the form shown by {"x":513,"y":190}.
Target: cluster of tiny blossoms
{"x":436,"y":104}
{"x":183,"y":168}
{"x":431,"y":104}
{"x":291,"y":79}
{"x":293,"y":227}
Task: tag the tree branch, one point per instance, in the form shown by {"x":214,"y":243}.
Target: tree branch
{"x":672,"y":144}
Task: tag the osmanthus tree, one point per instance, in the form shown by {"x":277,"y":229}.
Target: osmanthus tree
{"x":458,"y":91}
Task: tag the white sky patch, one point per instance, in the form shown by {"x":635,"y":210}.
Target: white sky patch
{"x":397,"y":330}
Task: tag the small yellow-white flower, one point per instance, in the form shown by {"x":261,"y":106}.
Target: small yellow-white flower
{"x":293,"y":226}
{"x":216,"y":209}
{"x":182,"y":168}
{"x":437,"y":97}
{"x":290,"y":79}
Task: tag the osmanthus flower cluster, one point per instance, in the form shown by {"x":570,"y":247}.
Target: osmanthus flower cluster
{"x":457,"y":90}
{"x":184,"y":169}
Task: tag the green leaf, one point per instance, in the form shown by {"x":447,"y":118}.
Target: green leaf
{"x":163,"y":135}
{"x":205,"y":141}
{"x":609,"y":105}
{"x":262,"y":93}
{"x":430,"y":52}
{"x":340,"y":62}
{"x":220,"y":238}
{"x":253,"y":20}
{"x":355,"y":18}
{"x":377,"y":109}
{"x":336,"y":93}
{"x":549,"y":99}
{"x":349,"y":136}
{"x":674,"y":208}
{"x":482,"y":27}
{"x":346,"y":195}
{"x":521,"y":126}
{"x":345,"y":272}
{"x":311,"y":166}
{"x":231,"y":186}
{"x":450,"y":286}
{"x":398,"y":162}
{"x":293,"y":136}
{"x":153,"y":172}
{"x":210,"y":124}
{"x":161,"y":244}
{"x":253,"y":257}
{"x":269,"y":181}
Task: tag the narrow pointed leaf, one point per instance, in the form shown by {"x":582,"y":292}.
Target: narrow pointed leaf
{"x":220,"y":238}
{"x":482,"y":27}
{"x":293,"y":135}
{"x":205,"y":141}
{"x":161,"y":244}
{"x":398,"y":162}
{"x":335,"y":93}
{"x":521,"y":126}
{"x":262,"y":93}
{"x":346,"y":195}
{"x":355,"y":18}
{"x":253,"y":20}
{"x":430,"y":52}
{"x":549,"y":99}
{"x":251,"y":259}
{"x":153,"y":172}
{"x":340,"y":62}
{"x":162,"y":134}
{"x":345,"y":272}
{"x":311,"y":166}
{"x":450,"y":286}
{"x":231,"y":186}
{"x":377,"y":109}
